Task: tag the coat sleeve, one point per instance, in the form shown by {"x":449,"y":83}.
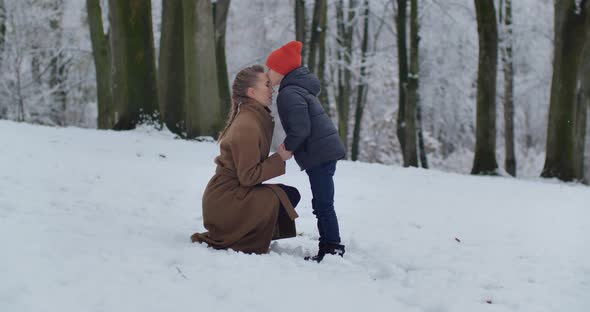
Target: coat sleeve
{"x":246,"y":153}
{"x":295,"y":119}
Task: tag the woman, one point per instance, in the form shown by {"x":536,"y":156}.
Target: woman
{"x":239,"y":212}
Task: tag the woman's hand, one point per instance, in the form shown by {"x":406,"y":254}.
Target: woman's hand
{"x":284,"y":153}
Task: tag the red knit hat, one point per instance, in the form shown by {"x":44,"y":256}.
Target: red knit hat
{"x":286,"y":58}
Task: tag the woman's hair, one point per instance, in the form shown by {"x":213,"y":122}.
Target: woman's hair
{"x":245,"y":79}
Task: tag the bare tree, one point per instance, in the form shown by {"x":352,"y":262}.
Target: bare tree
{"x":362,"y":88}
{"x":316,"y":32}
{"x":414,"y":80}
{"x":411,"y":148}
{"x":571,"y":27}
{"x":171,"y":69}
{"x":202,"y":103}
{"x":321,"y":71}
{"x":508,"y":67}
{"x":220,"y":13}
{"x":34,"y":62}
{"x":16,"y":55}
{"x":344,"y":21}
{"x":582,"y":106}
{"x":485,"y":145}
{"x":402,"y":61}
{"x":102,"y":65}
{"x":135,"y":91}
{"x":2,"y":28}
{"x":58,"y":65}
{"x":300,"y":21}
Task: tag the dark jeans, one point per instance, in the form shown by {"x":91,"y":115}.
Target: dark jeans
{"x":321,"y":179}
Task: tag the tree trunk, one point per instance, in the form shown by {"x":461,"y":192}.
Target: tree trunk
{"x":586,"y":156}
{"x":580,"y":137}
{"x":345,"y":32}
{"x":587,"y":149}
{"x":361,"y":92}
{"x":300,"y":24}
{"x":58,"y":72}
{"x":570,"y":34}
{"x":221,"y":10}
{"x":508,"y":67}
{"x":582,"y":105}
{"x":402,"y":60}
{"x":171,"y":67}
{"x":339,"y":90}
{"x":202,"y":103}
{"x":411,"y":148}
{"x":2,"y":29}
{"x":36,"y":57}
{"x":485,"y":145}
{"x":316,"y":32}
{"x":102,"y":65}
{"x":423,"y":157}
{"x":135,"y":91}
{"x":321,"y":71}
{"x":414,"y":94}
{"x":528,"y":138}
{"x":414,"y":46}
{"x":19,"y":89}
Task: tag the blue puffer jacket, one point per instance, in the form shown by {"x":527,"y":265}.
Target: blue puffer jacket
{"x":311,"y":135}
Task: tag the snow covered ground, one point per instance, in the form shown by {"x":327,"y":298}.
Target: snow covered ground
{"x":100,"y":221}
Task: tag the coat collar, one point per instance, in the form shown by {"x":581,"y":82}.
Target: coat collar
{"x":256,"y":107}
{"x":262,"y":113}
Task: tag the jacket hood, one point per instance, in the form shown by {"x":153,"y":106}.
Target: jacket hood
{"x":303,"y":78}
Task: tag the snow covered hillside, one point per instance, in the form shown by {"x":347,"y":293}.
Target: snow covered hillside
{"x":100,"y":221}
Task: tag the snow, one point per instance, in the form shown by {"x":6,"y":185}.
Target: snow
{"x":100,"y":221}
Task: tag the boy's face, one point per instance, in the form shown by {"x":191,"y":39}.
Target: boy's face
{"x":274,"y":77}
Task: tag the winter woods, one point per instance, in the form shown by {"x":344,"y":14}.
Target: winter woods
{"x":469,"y":86}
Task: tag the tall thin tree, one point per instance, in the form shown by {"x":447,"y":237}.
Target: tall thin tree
{"x":414,"y":80}
{"x":321,"y":71}
{"x":362,"y":88}
{"x":582,"y":106}
{"x":300,"y":21}
{"x":202,"y":102}
{"x":411,"y":148}
{"x":171,"y":67}
{"x":485,"y":145}
{"x":402,"y":61}
{"x":316,"y":31}
{"x":505,"y":12}
{"x":58,"y":65}
{"x":37,"y":53}
{"x":345,"y":24}
{"x":2,"y":28}
{"x":220,"y":13}
{"x":102,"y":65}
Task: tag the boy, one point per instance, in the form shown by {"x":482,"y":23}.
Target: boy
{"x":311,"y":136}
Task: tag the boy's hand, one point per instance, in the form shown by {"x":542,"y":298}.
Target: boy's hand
{"x":284,"y":153}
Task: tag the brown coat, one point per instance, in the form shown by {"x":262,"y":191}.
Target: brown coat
{"x":238,"y":211}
